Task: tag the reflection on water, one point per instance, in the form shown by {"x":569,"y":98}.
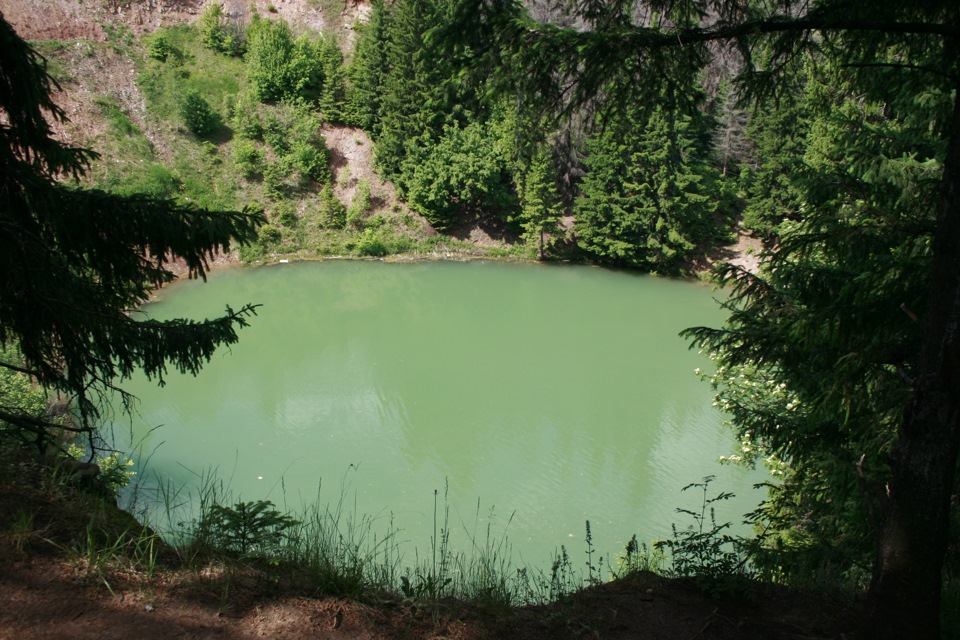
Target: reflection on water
{"x":556,"y":394}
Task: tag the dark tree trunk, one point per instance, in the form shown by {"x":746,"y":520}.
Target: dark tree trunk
{"x":904,"y":596}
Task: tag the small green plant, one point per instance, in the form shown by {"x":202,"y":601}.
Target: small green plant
{"x":246,"y":528}
{"x":285,"y":213}
{"x":197,"y":114}
{"x":248,"y":158}
{"x":115,"y":468}
{"x":344,"y":178}
{"x":562,"y":579}
{"x":22,"y":530}
{"x":160,"y":48}
{"x":245,"y":118}
{"x":638,"y":557}
{"x":119,"y":36}
{"x":594,"y":571}
{"x":360,"y":205}
{"x":270,"y":235}
{"x":702,"y":550}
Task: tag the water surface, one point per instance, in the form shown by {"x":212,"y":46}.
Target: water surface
{"x":549,"y":394}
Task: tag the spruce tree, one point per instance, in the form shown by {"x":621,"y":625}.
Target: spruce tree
{"x":905,"y":52}
{"x":647,"y":199}
{"x":367,"y":72}
{"x":412,"y":107}
{"x":541,"y":208}
{"x":76,"y":263}
{"x":333,"y":95}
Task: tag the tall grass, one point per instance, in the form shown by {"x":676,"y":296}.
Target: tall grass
{"x":333,"y":549}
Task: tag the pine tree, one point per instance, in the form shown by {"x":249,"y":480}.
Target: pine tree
{"x":540,"y":203}
{"x":76,"y":262}
{"x":905,"y":52}
{"x":367,"y":72}
{"x":413,"y":101}
{"x":646,"y":201}
{"x":778,"y":133}
{"x":825,"y":339}
{"x":333,"y":95}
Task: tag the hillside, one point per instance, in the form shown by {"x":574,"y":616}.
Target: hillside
{"x":124,"y":105}
{"x":59,"y":582}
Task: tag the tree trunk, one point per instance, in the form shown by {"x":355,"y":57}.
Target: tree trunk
{"x":904,"y":595}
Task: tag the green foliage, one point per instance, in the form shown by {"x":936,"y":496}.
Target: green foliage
{"x":647,"y":197}
{"x":540,"y":203}
{"x":115,"y":472}
{"x":367,"y":71}
{"x":285,"y":213}
{"x":815,"y":360}
{"x":217,"y":32}
{"x":311,"y":159}
{"x":638,"y":558}
{"x":269,"y":57}
{"x":308,"y":69}
{"x":333,"y":95}
{"x":413,"y":107}
{"x":19,"y":396}
{"x":305,"y":71}
{"x":702,"y":550}
{"x":249,"y":158}
{"x":770,"y":181}
{"x":464,"y":171}
{"x":160,"y":48}
{"x":333,"y":215}
{"x":302,"y":159}
{"x":270,"y":235}
{"x":360,"y":205}
{"x":245,"y":118}
{"x":96,"y":254}
{"x":119,"y":121}
{"x":245,"y":529}
{"x":197,"y":115}
{"x":194,"y":68}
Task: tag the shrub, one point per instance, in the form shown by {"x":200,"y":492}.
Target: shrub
{"x":286,"y":215}
{"x":273,"y":175}
{"x":360,"y":204}
{"x":702,"y":550}
{"x":245,"y":120}
{"x":371,"y":244}
{"x":197,"y":114}
{"x":247,"y":528}
{"x":312,"y":160}
{"x":160,"y":48}
{"x":217,"y":33}
{"x":270,"y":235}
{"x":270,"y":49}
{"x":249,"y":158}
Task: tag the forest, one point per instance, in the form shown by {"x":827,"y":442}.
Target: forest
{"x":645,"y":136}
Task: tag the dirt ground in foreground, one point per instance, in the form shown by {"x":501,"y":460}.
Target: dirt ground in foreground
{"x":46,"y":596}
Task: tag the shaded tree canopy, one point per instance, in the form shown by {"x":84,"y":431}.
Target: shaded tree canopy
{"x":823,"y":321}
{"x":76,"y":263}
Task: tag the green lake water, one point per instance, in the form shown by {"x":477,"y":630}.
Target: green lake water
{"x":548,"y":395}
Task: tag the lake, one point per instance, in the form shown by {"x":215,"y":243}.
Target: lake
{"x":535,"y":396}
